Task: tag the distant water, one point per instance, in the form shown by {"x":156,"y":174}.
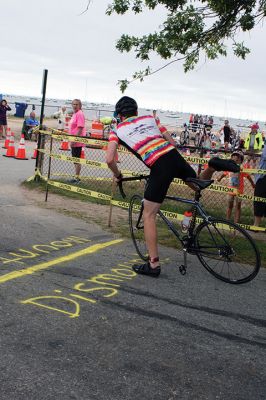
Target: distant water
{"x":95,"y":110}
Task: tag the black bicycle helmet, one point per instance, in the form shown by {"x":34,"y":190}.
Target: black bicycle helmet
{"x":126,"y":106}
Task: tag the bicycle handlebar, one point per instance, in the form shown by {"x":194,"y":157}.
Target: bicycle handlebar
{"x":130,"y":178}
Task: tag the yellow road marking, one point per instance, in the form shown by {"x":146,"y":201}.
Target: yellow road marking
{"x":28,"y":271}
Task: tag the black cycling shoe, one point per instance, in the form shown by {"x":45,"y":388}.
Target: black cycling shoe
{"x":146,"y":269}
{"x":220,"y":164}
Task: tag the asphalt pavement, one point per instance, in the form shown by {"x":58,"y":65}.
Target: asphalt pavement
{"x":77,"y":323}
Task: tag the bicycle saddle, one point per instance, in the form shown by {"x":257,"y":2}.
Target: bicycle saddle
{"x":200,"y":183}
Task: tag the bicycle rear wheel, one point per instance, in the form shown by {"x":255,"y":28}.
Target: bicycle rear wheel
{"x":227,"y":251}
{"x":136,"y":226}
{"x":183,"y":138}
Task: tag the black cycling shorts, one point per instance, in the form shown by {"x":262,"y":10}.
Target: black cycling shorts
{"x":163,"y":171}
{"x":76,"y":151}
{"x":226,"y":138}
{"x":260,"y":191}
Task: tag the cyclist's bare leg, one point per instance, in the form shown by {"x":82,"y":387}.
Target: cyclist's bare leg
{"x":230,"y":207}
{"x":77,"y":169}
{"x":150,"y":229}
{"x":206,"y":174}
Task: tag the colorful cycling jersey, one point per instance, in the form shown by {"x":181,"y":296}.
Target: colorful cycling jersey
{"x":143,"y":136}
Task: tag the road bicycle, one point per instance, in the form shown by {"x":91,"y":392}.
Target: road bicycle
{"x":200,"y":136}
{"x":185,"y":136}
{"x":224,"y":248}
{"x":194,"y":132}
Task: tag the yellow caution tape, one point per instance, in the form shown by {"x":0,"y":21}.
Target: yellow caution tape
{"x":77,"y":160}
{"x":37,"y":173}
{"x":79,"y":190}
{"x":213,"y":187}
{"x":122,"y":204}
{"x":83,"y":177}
{"x":252,"y":198}
{"x":196,"y":160}
{"x":254,"y":171}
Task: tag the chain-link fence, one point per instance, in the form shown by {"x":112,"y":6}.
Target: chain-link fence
{"x":58,"y":167}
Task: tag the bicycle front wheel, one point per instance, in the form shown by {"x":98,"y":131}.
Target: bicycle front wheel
{"x":136,"y":226}
{"x":227,"y":251}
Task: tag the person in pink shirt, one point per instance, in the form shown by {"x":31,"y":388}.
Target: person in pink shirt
{"x":77,"y":128}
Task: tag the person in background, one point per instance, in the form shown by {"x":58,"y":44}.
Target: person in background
{"x":195,"y":122}
{"x":227,"y":132}
{"x":191,"y":118}
{"x":236,"y":181}
{"x":77,"y":128}
{"x":210,"y":121}
{"x":260,"y":191}
{"x":196,"y":119}
{"x":157,"y":119}
{"x":254,"y":141}
{"x":62,"y":114}
{"x":30,"y":123}
{"x":4,"y":107}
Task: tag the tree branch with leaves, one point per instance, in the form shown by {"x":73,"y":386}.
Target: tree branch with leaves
{"x":191,"y":29}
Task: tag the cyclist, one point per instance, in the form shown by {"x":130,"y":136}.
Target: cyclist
{"x":152,"y":144}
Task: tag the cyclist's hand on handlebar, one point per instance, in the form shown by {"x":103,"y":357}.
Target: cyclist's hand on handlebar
{"x":118,"y":178}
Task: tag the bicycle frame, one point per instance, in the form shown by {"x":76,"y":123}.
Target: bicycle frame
{"x":197,"y":210}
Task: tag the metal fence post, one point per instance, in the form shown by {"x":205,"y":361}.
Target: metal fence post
{"x":41,"y":137}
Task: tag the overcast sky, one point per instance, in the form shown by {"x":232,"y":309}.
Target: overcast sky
{"x":80,"y":54}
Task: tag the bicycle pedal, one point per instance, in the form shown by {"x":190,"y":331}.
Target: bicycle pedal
{"x":183,"y":269}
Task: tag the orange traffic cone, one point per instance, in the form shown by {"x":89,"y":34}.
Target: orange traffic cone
{"x":64,"y":145}
{"x":21,"y":154}
{"x":11,"y":147}
{"x":8,"y":134}
{"x":35,"y":152}
{"x":82,"y":153}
